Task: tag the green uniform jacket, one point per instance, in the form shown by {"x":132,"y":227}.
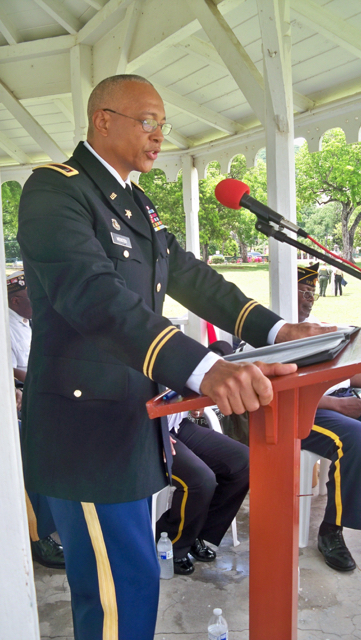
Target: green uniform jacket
{"x":97,"y":272}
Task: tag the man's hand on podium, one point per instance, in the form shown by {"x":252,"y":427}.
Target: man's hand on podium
{"x":302,"y":330}
{"x":243,"y":386}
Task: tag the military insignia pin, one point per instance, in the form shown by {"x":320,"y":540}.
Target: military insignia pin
{"x":115,"y":224}
{"x":113,"y":196}
{"x":128,"y":213}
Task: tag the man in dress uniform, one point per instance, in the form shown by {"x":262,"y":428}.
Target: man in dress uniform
{"x":210,"y":476}
{"x":41,"y":524}
{"x":336,"y":435}
{"x":98,"y":263}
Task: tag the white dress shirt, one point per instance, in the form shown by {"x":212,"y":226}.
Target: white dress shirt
{"x":20,"y":336}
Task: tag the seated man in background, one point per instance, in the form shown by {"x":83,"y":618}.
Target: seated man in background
{"x":336,"y":435}
{"x":210,"y":474}
{"x":45,"y":549}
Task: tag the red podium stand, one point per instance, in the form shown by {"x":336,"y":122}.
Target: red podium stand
{"x":275,"y":433}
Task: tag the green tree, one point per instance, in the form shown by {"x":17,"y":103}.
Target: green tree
{"x":169,"y":199}
{"x":11,"y":192}
{"x":244,"y":228}
{"x":333,"y":175}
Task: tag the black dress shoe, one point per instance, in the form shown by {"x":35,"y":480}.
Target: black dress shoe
{"x":48,"y":553}
{"x":183,"y":566}
{"x":335,"y":552}
{"x":200,"y":551}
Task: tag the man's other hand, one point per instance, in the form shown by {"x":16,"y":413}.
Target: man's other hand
{"x":18,"y":399}
{"x":349,"y":406}
{"x":302,"y":330}
{"x":242,"y":387}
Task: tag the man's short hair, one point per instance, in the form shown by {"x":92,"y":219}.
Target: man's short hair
{"x":104,"y":92}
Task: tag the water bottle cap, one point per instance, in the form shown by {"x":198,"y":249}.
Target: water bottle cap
{"x":164,"y":534}
{"x":217,"y":612}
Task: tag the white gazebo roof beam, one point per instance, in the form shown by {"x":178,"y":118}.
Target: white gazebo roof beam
{"x":61,"y":15}
{"x":198,"y":111}
{"x":68,"y":113}
{"x":237,"y":61}
{"x":96,"y":4}
{"x":331,"y":26}
{"x":180,"y":141}
{"x":36,"y":48}
{"x":13,"y":150}
{"x":8,"y":30}
{"x":206,"y":52}
{"x":30,"y":125}
{"x":173,"y":26}
{"x":127,"y":28}
{"x":103,"y":21}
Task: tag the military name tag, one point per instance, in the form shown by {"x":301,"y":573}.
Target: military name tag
{"x":122,"y":240}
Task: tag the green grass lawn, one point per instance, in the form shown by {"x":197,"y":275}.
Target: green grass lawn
{"x":253,"y":280}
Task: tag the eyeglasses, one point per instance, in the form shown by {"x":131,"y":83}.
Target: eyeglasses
{"x":308,"y":295}
{"x":149,"y":125}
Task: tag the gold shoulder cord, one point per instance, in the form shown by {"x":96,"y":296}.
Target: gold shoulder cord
{"x":137,"y":186}
{"x":67,"y":171}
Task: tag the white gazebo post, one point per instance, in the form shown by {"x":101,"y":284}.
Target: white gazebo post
{"x":18,"y":609}
{"x":195,"y":328}
{"x":81,"y":86}
{"x":275,"y":26}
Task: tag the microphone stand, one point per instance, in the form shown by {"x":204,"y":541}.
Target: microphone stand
{"x":271,"y":232}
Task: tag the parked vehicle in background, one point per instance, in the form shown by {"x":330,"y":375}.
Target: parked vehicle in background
{"x":17,"y":263}
{"x":218,"y":258}
{"x":254,"y":256}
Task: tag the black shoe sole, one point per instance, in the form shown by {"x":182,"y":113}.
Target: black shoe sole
{"x":49,"y":565}
{"x":332,"y":566}
{"x":202,"y":559}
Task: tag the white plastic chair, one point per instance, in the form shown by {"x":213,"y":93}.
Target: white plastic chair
{"x":214,"y":424}
{"x":307,"y":462}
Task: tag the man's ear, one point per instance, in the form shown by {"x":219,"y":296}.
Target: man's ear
{"x":101,"y":121}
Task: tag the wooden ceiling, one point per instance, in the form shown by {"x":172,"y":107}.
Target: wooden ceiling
{"x":205,"y":58}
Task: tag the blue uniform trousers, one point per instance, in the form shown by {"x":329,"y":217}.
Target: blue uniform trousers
{"x":112,"y":568}
{"x":338,"y":438}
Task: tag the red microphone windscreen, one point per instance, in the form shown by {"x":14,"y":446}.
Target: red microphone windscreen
{"x":230,"y":191}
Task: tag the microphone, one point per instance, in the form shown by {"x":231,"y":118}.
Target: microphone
{"x":234,"y":194}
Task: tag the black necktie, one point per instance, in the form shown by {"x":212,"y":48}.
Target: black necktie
{"x":129,"y":190}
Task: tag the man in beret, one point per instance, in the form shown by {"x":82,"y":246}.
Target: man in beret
{"x":45,"y":549}
{"x":336,"y":435}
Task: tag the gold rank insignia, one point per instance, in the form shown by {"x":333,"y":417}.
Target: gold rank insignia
{"x":115,"y":224}
{"x":67,"y":171}
{"x":128,"y":213}
{"x":113,"y":196}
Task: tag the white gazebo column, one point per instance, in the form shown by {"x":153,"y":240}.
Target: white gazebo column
{"x":81,"y":87}
{"x":18,"y":609}
{"x":196,"y":327}
{"x":274,"y":22}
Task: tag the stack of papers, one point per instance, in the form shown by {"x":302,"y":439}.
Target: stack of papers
{"x":303,"y":352}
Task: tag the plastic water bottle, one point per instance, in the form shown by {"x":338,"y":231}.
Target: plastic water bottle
{"x":217,"y":626}
{"x":165,"y":556}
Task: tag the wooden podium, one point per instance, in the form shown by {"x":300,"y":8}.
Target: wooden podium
{"x":275,"y":433}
